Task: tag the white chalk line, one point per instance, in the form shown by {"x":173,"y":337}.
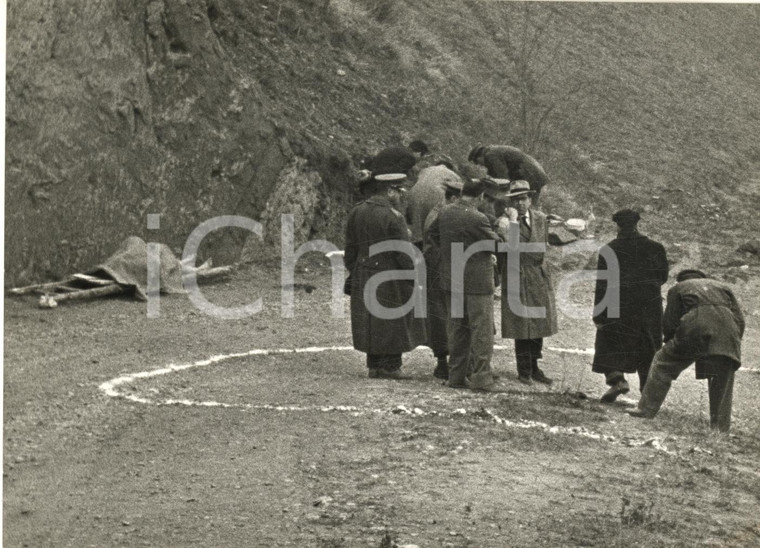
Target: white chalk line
{"x":111,"y":389}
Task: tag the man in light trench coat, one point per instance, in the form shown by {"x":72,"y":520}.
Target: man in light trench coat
{"x":528,"y":311}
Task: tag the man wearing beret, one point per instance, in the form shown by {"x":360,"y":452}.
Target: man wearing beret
{"x":528,"y":312}
{"x":507,"y":162}
{"x":703,"y":323}
{"x":373,"y":221}
{"x":467,"y":278}
{"x":627,"y":339}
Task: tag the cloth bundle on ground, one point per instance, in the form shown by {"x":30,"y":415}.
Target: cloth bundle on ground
{"x":128,"y":266}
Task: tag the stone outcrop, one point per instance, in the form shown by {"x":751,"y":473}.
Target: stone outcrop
{"x":116,"y":110}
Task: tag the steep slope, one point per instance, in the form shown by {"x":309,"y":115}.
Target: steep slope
{"x":198,"y":108}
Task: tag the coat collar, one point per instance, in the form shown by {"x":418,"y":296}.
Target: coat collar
{"x":379,"y":200}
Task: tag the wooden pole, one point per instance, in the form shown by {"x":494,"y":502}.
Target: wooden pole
{"x":51,"y":301}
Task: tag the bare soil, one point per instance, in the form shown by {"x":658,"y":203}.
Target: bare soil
{"x":302,"y":449}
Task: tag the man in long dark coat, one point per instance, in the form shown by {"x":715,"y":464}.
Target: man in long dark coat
{"x":526,"y":283}
{"x":507,"y":162}
{"x":627,"y":340}
{"x":703,"y":323}
{"x":373,"y":221}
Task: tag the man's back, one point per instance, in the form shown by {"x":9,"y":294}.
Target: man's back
{"x":426,"y":193}
{"x":703,"y":317}
{"x":462,"y":223}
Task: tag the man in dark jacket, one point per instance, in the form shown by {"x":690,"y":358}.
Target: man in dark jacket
{"x":468,"y":281}
{"x":528,"y":311}
{"x":437,"y":315}
{"x":704,"y":324}
{"x":506,"y":162}
{"x":373,"y":221}
{"x":627,"y":340}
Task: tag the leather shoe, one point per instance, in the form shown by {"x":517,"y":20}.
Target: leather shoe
{"x":525,"y":380}
{"x":493,"y":388}
{"x":620,"y":387}
{"x":539,"y":376}
{"x":640,"y":414}
{"x":373,"y":373}
{"x":394,"y":374}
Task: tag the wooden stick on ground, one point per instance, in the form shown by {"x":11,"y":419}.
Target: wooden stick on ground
{"x":209,"y":273}
{"x":51,"y":301}
{"x":39,"y":288}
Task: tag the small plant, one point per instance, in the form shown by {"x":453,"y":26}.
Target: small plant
{"x":388,"y":541}
{"x":637,"y":513}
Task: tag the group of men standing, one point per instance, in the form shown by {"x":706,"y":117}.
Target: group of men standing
{"x":474,"y":234}
{"x":457,"y":229}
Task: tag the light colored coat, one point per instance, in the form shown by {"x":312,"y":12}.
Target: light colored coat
{"x":535,"y":289}
{"x":428,"y":192}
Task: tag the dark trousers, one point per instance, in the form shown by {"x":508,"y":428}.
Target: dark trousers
{"x":527,"y":354}
{"x":720,"y":386}
{"x":437,"y":321}
{"x":720,"y":389}
{"x":471,"y":341}
{"x":389,"y":362}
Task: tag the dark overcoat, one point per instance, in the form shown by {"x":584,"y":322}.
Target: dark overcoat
{"x":703,"y":319}
{"x":535,"y":287}
{"x":372,"y":221}
{"x":628,"y":343}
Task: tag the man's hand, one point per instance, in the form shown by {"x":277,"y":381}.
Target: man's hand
{"x":511,"y":214}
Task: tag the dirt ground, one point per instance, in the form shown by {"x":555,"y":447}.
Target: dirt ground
{"x":285,"y":448}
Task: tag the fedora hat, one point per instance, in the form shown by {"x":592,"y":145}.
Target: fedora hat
{"x":519,"y":188}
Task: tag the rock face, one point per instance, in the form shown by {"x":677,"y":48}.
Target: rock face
{"x":116,"y":110}
{"x":193,"y":109}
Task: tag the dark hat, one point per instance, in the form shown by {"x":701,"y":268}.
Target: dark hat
{"x":519,"y":188}
{"x":392,"y":160}
{"x":690,"y":274}
{"x":626,"y":217}
{"x":474,"y":153}
{"x":419,"y":146}
{"x":498,"y":189}
{"x":473,"y":187}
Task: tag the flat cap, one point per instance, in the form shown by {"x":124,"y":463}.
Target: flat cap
{"x":626,"y":217}
{"x":689,"y":274}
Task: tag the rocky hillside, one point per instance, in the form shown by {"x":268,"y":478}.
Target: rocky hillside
{"x":198,"y":108}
